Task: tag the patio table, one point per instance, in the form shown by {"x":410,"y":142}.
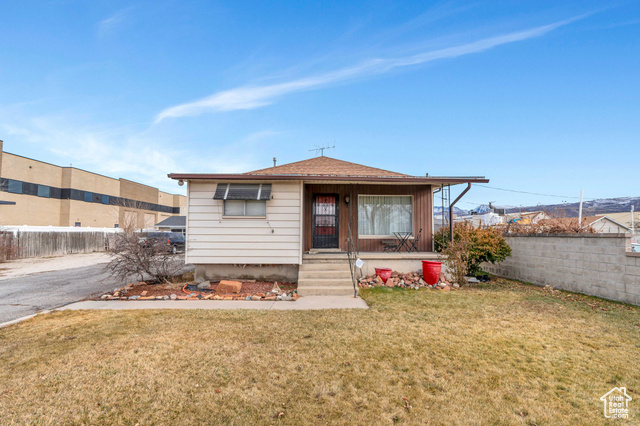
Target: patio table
{"x":403,"y":240}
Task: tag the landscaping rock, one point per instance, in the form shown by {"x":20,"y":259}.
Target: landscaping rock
{"x":255,"y":297}
{"x":144,"y":293}
{"x":229,"y":286}
{"x":104,"y":296}
{"x":205,"y":285}
{"x":286,"y":297}
{"x":173,"y":297}
{"x":456,"y":286}
{"x":447,"y":288}
{"x":472,"y":280}
{"x":134,"y":297}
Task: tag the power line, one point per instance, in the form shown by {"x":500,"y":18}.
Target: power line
{"x":530,"y":193}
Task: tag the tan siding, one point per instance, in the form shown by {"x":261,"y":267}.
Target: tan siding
{"x":213,"y":239}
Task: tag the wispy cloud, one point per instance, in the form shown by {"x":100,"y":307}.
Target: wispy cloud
{"x":121,"y":152}
{"x":110,"y":24}
{"x":255,"y":96}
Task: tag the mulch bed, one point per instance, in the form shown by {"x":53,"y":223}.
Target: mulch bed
{"x":189,"y":291}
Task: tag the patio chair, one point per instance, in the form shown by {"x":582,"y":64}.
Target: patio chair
{"x":415,"y":241}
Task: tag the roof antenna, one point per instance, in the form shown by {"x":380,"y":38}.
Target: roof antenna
{"x":274,"y":161}
{"x":320,"y":150}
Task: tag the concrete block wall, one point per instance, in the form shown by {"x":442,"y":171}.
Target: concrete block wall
{"x":599,"y":265}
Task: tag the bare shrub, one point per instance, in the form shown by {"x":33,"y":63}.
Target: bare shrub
{"x":457,"y":253}
{"x":151,"y":259}
{"x":555,"y":225}
{"x":473,"y":246}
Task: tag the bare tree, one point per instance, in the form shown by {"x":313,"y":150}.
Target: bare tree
{"x":150,"y":259}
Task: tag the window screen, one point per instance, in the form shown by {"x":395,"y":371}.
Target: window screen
{"x":245,"y":208}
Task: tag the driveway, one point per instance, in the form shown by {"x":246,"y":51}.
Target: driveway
{"x":26,"y":295}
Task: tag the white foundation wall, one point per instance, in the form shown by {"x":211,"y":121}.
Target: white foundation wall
{"x":213,"y":239}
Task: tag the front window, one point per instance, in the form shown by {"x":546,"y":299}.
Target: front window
{"x":382,"y":215}
{"x":255,"y":208}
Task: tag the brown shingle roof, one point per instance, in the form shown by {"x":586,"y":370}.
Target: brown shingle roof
{"x":326,"y":166}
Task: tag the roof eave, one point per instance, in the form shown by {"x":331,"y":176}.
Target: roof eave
{"x":440,"y":180}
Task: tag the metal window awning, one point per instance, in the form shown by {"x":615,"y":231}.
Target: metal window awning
{"x":243,"y":191}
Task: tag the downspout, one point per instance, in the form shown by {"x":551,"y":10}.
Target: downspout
{"x":433,"y":220}
{"x":451,"y":210}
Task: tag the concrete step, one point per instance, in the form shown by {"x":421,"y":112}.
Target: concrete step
{"x":325,"y":291}
{"x":328,"y":282}
{"x":324,"y":267}
{"x":325,"y":261}
{"x":311,"y":275}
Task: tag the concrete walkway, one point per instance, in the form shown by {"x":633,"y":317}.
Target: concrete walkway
{"x":303,"y":303}
{"x":36,"y":265}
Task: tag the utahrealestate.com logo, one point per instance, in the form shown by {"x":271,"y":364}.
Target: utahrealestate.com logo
{"x":616,"y":403}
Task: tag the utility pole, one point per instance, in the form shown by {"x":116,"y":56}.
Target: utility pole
{"x":633,"y":228}
{"x":580,"y":209}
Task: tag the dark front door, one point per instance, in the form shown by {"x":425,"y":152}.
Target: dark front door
{"x":325,"y":221}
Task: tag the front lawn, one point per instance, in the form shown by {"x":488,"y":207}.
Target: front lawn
{"x":503,"y":353}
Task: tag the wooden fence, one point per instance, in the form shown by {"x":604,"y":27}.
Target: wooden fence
{"x":21,"y":244}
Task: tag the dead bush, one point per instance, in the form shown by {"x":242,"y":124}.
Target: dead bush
{"x":555,"y":225}
{"x":457,"y":253}
{"x":472,"y":247}
{"x":131,"y":257}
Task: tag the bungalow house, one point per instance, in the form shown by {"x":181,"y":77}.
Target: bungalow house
{"x":173,"y":224}
{"x":604,"y":225}
{"x":298,"y":222}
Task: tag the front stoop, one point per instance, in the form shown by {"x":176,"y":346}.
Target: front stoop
{"x":322,"y":276}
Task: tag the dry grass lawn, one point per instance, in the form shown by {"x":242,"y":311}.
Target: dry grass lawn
{"x":504,"y":353}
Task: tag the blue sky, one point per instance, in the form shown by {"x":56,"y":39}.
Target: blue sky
{"x":538,"y":96}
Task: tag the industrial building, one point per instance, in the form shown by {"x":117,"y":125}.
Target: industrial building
{"x":45,"y":194}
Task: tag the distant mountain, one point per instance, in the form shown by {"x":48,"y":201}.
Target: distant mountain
{"x":456,"y":211}
{"x":589,"y":208}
